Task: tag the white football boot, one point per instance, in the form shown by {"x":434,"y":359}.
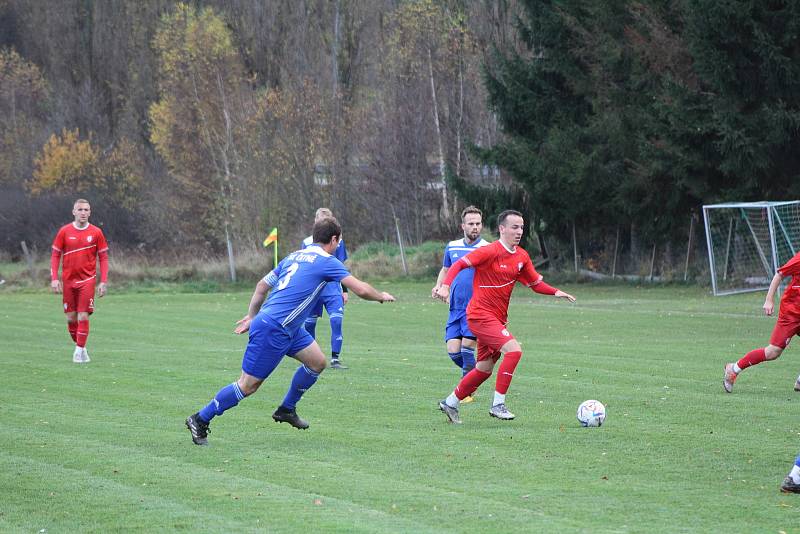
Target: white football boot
{"x":77,"y":356}
{"x":85,"y":355}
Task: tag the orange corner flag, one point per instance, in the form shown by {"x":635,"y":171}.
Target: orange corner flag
{"x":272,"y":237}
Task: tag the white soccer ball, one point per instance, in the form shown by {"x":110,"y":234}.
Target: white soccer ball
{"x":591,"y":413}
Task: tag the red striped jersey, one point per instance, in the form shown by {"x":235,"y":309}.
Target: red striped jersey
{"x":497,"y":269}
{"x":790,"y":302}
{"x":79,"y":249}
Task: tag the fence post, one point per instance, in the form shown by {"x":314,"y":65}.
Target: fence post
{"x":614,"y":263}
{"x":689,"y":247}
{"x":574,"y":246}
{"x":28,"y":259}
{"x":400,"y":241}
{"x":652,"y":262}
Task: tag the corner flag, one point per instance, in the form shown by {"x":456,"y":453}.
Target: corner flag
{"x":273,"y":238}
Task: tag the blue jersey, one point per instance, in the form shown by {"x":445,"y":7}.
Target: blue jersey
{"x":297,"y":282}
{"x":340,"y":254}
{"x":461,"y":289}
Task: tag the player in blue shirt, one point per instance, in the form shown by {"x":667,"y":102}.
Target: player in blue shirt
{"x":333,"y":297}
{"x":276,"y":328}
{"x":791,"y":484}
{"x":460,"y":341}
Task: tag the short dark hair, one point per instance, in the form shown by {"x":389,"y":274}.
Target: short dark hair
{"x":326,"y":229}
{"x":501,"y":219}
{"x":470,"y":209}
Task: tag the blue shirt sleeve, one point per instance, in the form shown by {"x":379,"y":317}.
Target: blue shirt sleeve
{"x":341,"y":252}
{"x":335,"y":270}
{"x":446,"y":262}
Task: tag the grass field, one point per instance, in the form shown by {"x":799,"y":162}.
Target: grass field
{"x":103,"y":447}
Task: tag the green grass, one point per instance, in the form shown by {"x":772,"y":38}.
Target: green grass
{"x":102,"y":447}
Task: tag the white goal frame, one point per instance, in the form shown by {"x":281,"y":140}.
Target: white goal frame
{"x":771,"y":244}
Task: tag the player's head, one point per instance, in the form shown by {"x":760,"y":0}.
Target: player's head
{"x":510,"y":224}
{"x":81,"y":210}
{"x":326,"y":230}
{"x":471,"y":223}
{"x":323,"y":213}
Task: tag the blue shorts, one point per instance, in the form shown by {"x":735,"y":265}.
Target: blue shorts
{"x":334,"y":305}
{"x":269,"y":343}
{"x":457,"y":326}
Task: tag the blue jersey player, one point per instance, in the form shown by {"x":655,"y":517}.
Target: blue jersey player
{"x":276,"y":328}
{"x":333,"y":297}
{"x":791,"y":484}
{"x":460,"y":341}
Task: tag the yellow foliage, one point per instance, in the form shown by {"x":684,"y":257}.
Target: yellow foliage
{"x":66,"y":163}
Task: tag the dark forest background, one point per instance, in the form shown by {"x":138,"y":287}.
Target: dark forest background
{"x":189,"y":125}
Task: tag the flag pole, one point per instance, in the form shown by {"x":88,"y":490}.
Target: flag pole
{"x":276,"y":253}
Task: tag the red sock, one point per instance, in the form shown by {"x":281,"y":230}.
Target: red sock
{"x":506,"y":372}
{"x":73,"y":330}
{"x":753,"y":357}
{"x":470,"y":383}
{"x":82,"y":333}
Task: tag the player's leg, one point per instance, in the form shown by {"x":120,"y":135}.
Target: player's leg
{"x":452,"y":338}
{"x":468,"y":345}
{"x":70,"y":301}
{"x":512,"y":353}
{"x":265,"y":349}
{"x":307,"y":352}
{"x":310,"y":324}
{"x":791,"y":484}
{"x":334,"y":305}
{"x":784,"y":329}
{"x":85,"y":307}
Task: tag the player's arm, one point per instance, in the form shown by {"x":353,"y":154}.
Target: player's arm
{"x":55,"y":260}
{"x":103,"y":257}
{"x":364,"y":290}
{"x":439,"y":279}
{"x":259,"y":295}
{"x":536,"y":282}
{"x":769,"y":303}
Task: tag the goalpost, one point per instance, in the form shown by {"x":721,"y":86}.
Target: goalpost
{"x":748,"y":241}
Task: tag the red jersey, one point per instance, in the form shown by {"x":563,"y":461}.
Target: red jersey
{"x":79,"y":249}
{"x":790,"y":302}
{"x":496,"y":271}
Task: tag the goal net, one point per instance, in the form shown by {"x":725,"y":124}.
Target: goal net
{"x":748,"y":241}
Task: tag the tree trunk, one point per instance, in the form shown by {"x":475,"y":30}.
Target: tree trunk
{"x":445,"y":207}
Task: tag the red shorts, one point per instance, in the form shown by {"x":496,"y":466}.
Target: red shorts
{"x":787,"y":327}
{"x":491,"y":335}
{"x":79,"y":297}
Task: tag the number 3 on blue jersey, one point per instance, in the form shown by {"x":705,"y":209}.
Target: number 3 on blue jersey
{"x":288,"y":276}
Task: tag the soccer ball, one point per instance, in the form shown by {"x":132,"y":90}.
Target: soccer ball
{"x":591,"y":413}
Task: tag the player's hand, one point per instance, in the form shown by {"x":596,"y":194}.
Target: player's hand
{"x":345,"y":296}
{"x":433,"y":293}
{"x":769,"y":307}
{"x":386,"y":297}
{"x":443,"y":293}
{"x":56,"y":286}
{"x":101,"y":289}
{"x":242,"y":325}
{"x":562,"y":295}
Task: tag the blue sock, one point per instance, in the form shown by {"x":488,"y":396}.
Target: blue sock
{"x":336,"y":333}
{"x":797,"y":461}
{"x":226,"y":398}
{"x":302,"y":380}
{"x":456,"y":357}
{"x":311,"y":326}
{"x":468,"y":358}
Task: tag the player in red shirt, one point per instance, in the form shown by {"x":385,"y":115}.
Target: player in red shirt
{"x":788,"y":324}
{"x":80,"y":244}
{"x":497,"y":268}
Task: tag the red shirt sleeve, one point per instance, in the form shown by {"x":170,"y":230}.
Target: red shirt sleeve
{"x":55,"y":257}
{"x":792,"y":267}
{"x":475,"y":258}
{"x":102,"y":255}
{"x":529,"y":276}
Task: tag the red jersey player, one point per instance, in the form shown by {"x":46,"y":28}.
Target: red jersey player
{"x":80,"y":244}
{"x":497,"y":268}
{"x":788,"y":324}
